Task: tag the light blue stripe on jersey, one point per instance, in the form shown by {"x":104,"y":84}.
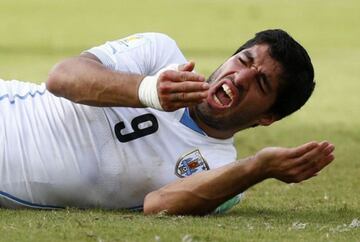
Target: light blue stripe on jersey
{"x":26,"y":203}
{"x":190,"y":123}
{"x":32,"y":94}
{"x":136,"y":209}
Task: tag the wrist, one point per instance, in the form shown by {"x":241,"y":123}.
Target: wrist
{"x":258,"y":167}
{"x":147,"y":92}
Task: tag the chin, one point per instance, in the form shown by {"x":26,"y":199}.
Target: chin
{"x":204,"y":114}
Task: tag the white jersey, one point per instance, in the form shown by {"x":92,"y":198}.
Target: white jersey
{"x":56,"y":153}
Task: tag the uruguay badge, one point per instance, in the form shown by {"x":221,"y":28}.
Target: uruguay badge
{"x":190,"y":163}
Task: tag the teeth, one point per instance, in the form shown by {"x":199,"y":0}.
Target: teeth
{"x":217,"y":100}
{"x":227,"y":90}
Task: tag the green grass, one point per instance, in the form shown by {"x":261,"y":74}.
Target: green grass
{"x":35,"y":34}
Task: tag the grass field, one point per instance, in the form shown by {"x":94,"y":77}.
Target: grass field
{"x":35,"y":34}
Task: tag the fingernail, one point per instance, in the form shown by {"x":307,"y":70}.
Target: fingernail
{"x":205,"y":85}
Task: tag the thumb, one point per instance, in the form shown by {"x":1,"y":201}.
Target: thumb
{"x":187,"y":66}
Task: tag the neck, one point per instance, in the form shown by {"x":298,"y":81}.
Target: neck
{"x":210,"y":131}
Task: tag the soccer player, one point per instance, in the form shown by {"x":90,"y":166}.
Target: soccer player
{"x":128,"y":124}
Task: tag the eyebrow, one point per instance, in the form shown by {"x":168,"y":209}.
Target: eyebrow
{"x":263,"y":75}
{"x":248,"y":55}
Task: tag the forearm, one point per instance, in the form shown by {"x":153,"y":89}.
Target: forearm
{"x":85,"y":80}
{"x":202,"y":193}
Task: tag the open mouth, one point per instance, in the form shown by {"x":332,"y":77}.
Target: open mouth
{"x":223,"y":95}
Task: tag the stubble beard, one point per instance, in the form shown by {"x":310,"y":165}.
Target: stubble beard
{"x":204,"y":113}
{"x":203,"y":110}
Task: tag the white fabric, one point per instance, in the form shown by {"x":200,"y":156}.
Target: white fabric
{"x":54,"y":152}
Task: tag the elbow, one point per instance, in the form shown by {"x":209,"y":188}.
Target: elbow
{"x":175,"y":203}
{"x":153,"y":203}
{"x":57,"y":79}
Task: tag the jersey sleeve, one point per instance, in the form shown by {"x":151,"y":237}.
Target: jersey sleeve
{"x":143,"y":54}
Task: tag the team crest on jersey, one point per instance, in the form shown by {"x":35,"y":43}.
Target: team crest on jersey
{"x":191,"y":163}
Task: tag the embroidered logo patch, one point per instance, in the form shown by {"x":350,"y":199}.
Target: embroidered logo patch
{"x":190,"y":163}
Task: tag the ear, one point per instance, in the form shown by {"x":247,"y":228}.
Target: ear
{"x":267,"y":119}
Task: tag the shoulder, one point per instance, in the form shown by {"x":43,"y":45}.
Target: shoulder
{"x":155,"y":36}
{"x":159,"y":41}
{"x":142,"y":53}
{"x":137,"y":39}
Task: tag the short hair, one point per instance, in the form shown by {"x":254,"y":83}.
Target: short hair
{"x":297,"y":78}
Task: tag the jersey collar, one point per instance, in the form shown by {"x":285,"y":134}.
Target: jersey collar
{"x":190,"y":123}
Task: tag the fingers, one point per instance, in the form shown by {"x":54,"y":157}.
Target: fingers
{"x":303,"y":149}
{"x":309,"y":173}
{"x":181,"y":76}
{"x":185,"y":91}
{"x":183,"y":88}
{"x":311,"y":157}
{"x":183,"y":97}
{"x":318,"y":159}
{"x":175,"y":87}
{"x":311,"y":162}
{"x":175,"y":101}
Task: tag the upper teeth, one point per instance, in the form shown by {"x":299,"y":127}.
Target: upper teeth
{"x":227,"y":90}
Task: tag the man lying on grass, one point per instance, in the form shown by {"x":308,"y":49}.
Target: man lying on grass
{"x":128,"y":124}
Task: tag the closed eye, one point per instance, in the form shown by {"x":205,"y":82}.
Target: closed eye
{"x":260,"y":82}
{"x":242,"y":61}
{"x":264,"y":83}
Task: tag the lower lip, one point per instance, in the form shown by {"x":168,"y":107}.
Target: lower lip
{"x":215,"y":105}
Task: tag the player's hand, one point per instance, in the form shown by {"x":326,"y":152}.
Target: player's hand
{"x":181,"y":88}
{"x":295,"y":164}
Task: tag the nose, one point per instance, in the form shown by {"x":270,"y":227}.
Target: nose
{"x":244,"y":77}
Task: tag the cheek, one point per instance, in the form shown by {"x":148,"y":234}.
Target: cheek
{"x":225,"y":69}
{"x":254,"y":104}
{"x":214,"y":76}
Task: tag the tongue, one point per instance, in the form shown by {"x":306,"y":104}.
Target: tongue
{"x":223,"y":97}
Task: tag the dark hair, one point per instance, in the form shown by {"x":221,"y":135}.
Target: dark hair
{"x":297,"y":79}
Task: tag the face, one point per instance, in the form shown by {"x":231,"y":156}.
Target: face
{"x":241,"y":92}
